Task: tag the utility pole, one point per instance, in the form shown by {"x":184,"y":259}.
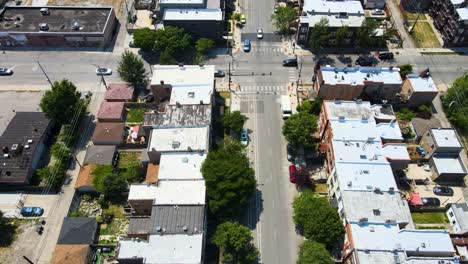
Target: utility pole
{"x":103,"y":81}
{"x":76,"y":159}
{"x":297,"y":83}
{"x":229,"y":78}
{"x":42,"y":69}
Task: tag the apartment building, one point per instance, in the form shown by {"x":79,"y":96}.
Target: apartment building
{"x":418,"y":90}
{"x":451,"y":19}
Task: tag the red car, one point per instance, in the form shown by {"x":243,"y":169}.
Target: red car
{"x":292,"y":173}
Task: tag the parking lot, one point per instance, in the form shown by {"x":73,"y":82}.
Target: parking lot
{"x":427,"y":191}
{"x":16,"y":102}
{"x":24,"y":244}
{"x":47,"y":202}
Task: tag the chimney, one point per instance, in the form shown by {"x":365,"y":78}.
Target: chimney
{"x":161,"y":82}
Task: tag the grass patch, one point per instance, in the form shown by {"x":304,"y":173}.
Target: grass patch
{"x":431,"y":227}
{"x":429,"y":218}
{"x":135,"y":115}
{"x":113,"y":228}
{"x":320,"y":188}
{"x":424,"y":36}
{"x":443,"y":53}
{"x":100,"y":172}
{"x":130,"y":167}
{"x":414,"y":16}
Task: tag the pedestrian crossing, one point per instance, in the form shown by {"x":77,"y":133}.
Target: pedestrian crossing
{"x":262,"y":88}
{"x":266,"y":50}
{"x":292,"y":75}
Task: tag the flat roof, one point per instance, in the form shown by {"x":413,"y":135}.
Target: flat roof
{"x":365,"y":177}
{"x":101,"y":155}
{"x":342,"y":13}
{"x":119,"y":91}
{"x":175,"y":75}
{"x":181,"y":2}
{"x":193,"y":14}
{"x":396,"y":151}
{"x":180,"y":116}
{"x":179,"y":139}
{"x":360,"y":75}
{"x":355,"y":130}
{"x":170,"y":192}
{"x":60,"y":19}
{"x":445,"y":138}
{"x":448,"y":164}
{"x":191,"y":94}
{"x":422,"y":84}
{"x":350,"y":110}
{"x":390,"y":131}
{"x":181,"y":166}
{"x":358,"y":151}
{"x":164,"y":249}
{"x":462,"y":13}
{"x":460,"y":211}
{"x":383,"y":112}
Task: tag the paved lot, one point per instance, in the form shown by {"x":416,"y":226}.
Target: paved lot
{"x":427,"y":191}
{"x":47,"y":202}
{"x":24,"y":244}
{"x":416,"y":172}
{"x":17,"y":101}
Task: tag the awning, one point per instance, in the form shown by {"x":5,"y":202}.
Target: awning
{"x":415,"y":199}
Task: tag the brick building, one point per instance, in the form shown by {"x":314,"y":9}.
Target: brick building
{"x":451,"y":19}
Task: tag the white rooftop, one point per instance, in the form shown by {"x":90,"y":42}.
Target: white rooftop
{"x":342,"y":13}
{"x":420,"y":84}
{"x":446,"y":138}
{"x":463,"y":13}
{"x":166,"y":249}
{"x":358,"y":152}
{"x":181,"y":166}
{"x":170,"y":192}
{"x":351,"y":110}
{"x":390,"y":131}
{"x":179,"y":139}
{"x":383,"y":112}
{"x":355,"y":130}
{"x":186,"y":75}
{"x":360,"y":75}
{"x":193,"y":14}
{"x":365,"y":177}
{"x":456,"y":2}
{"x":448,"y":164}
{"x":193,"y":94}
{"x":395,"y":151}
{"x":185,"y":2}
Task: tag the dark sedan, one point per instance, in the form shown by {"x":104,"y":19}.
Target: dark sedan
{"x":386,"y":56}
{"x":365,"y":61}
{"x":443,"y":191}
{"x":430,"y":202}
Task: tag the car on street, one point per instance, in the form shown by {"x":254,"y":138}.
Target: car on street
{"x":378,"y":12}
{"x":292,"y":173}
{"x":246,"y":45}
{"x":103,"y":71}
{"x":291,"y":152}
{"x":5,"y":71}
{"x":386,"y":56}
{"x":219,"y":73}
{"x":430,"y":202}
{"x":364,"y":61}
{"x":443,"y":191}
{"x":243,"y":20}
{"x":290,"y":62}
{"x":244,"y":137}
{"x":260,"y":33}
{"x":31,"y":211}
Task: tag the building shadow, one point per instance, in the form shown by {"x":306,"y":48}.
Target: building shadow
{"x":251,"y":215}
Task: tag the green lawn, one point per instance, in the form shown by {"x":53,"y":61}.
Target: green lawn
{"x":130,"y":167}
{"x":429,"y":218}
{"x":424,"y":36}
{"x":100,"y":172}
{"x":135,"y":115}
{"x":413,"y":16}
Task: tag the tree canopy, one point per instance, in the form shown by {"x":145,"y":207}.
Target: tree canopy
{"x":455,"y":103}
{"x":61,"y":102}
{"x":317,"y":219}
{"x":235,"y":242}
{"x":229,"y":179}
{"x":202,"y":45}
{"x":132,"y":70}
{"x":299,"y":128}
{"x":234,"y":121}
{"x":284,"y":18}
{"x":7,"y":230}
{"x":145,"y":38}
{"x":319,"y":35}
{"x":113,"y":186}
{"x":312,"y":252}
{"x":312,"y":107}
{"x":405,"y":69}
{"x":172,"y":39}
{"x":365,"y":34}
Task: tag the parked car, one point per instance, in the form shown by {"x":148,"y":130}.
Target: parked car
{"x":378,"y":12}
{"x":443,"y":191}
{"x":291,"y":153}
{"x":5,"y":71}
{"x":243,"y":20}
{"x":31,"y":211}
{"x":219,"y":73}
{"x":290,"y":62}
{"x":244,"y":138}
{"x":365,"y":61}
{"x":260,"y":33}
{"x":430,"y":202}
{"x":386,"y":56}
{"x":246,"y":45}
{"x":292,"y":173}
{"x":103,"y":71}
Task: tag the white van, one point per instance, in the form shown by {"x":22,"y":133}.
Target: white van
{"x":286,"y":106}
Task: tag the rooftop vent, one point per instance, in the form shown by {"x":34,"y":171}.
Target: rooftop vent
{"x":191,"y":94}
{"x":76,"y":25}
{"x":185,"y":228}
{"x":175,"y":144}
{"x":372,"y":229}
{"x":30,"y":141}
{"x":43,"y":27}
{"x":44,"y":11}
{"x":350,"y":183}
{"x":181,"y":65}
{"x":363,"y":219}
{"x":5,"y":150}
{"x":201,"y":65}
{"x":365,"y":171}
{"x":158,"y":229}
{"x":391,"y":190}
{"x":376,"y":212}
{"x":6,"y":156}
{"x":185,"y":160}
{"x":363,"y":156}
{"x":177,"y":104}
{"x":377,"y":190}
{"x":423,"y":245}
{"x":14,"y":147}
{"x":26,"y":146}
{"x":201,"y":102}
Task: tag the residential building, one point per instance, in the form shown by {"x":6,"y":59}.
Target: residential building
{"x":56,"y":26}
{"x":369,"y":243}
{"x":23,"y":143}
{"x":100,"y":155}
{"x":349,"y":83}
{"x":108,"y":134}
{"x":451,"y":19}
{"x":84,"y":182}
{"x":460,"y":243}
{"x":373,"y":4}
{"x":457,"y":215}
{"x":417,"y":90}
{"x":112,"y":112}
{"x":72,"y":254}
{"x":181,"y":166}
{"x":119,"y":92}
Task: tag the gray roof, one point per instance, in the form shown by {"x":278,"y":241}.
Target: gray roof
{"x":100,"y":155}
{"x":78,"y":230}
{"x":180,"y":116}
{"x":421,"y":126}
{"x":171,"y":220}
{"x":461,"y":213}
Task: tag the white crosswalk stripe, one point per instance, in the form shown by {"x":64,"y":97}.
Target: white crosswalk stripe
{"x":262,"y":88}
{"x":266,"y":50}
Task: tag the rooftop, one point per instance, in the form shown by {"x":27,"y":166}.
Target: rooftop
{"x":390,"y":131}
{"x":422,"y":84}
{"x":460,"y":211}
{"x":362,"y":130}
{"x":446,"y":138}
{"x":358,"y":151}
{"x":360,"y":75}
{"x":448,"y":164}
{"x":164,"y":249}
{"x":85,"y":177}
{"x":111,"y":110}
{"x":180,"y":116}
{"x":365,"y":177}
{"x":60,"y":19}
{"x":463,"y":13}
{"x":169,"y":219}
{"x":119,"y":91}
{"x":71,"y":254}
{"x":184,"y":2}
{"x":340,"y":13}
{"x":349,"y":110}
{"x":181,"y":166}
{"x":78,"y":230}
{"x":395,"y":151}
{"x":21,"y":139}
{"x":179,"y":139}
{"x":193,"y":14}
{"x":170,"y":192}
{"x":185,"y":75}
{"x":100,"y":155}
{"x":152,"y":173}
{"x":108,"y":131}
{"x":191,"y":94}
{"x":383,"y":112}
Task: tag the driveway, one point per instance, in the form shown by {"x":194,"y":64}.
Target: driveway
{"x":398,"y":23}
{"x":16,"y":102}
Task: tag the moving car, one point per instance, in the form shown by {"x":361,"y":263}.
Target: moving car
{"x":103,"y":71}
{"x":430,"y":202}
{"x":246,"y":45}
{"x":243,"y":20}
{"x":292,"y":173}
{"x":260,"y":33}
{"x":443,"y":191}
{"x":219,"y":73}
{"x":364,"y":61}
{"x":244,"y":138}
{"x":290,"y":62}
{"x":377,"y":12}
{"x":5,"y":71}
{"x":386,"y":56}
{"x":32,"y":211}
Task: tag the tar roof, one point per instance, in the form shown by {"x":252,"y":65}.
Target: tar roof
{"x":183,"y":75}
{"x":169,"y":219}
{"x":78,"y":230}
{"x":119,"y":91}
{"x":111,"y":110}
{"x":100,"y":155}
{"x":60,"y":19}
{"x":421,"y":84}
{"x":461,"y":213}
{"x":193,"y":14}
{"x":179,"y":139}
{"x":360,"y":75}
{"x":24,"y":132}
{"x":446,"y":138}
{"x":170,"y":192}
{"x":181,"y":166}
{"x":180,"y":116}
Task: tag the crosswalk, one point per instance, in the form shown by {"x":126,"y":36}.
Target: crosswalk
{"x":262,"y":88}
{"x":266,"y":50}
{"x":292,"y":75}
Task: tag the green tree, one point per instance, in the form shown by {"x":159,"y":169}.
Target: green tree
{"x":60,"y":151}
{"x":317,"y":219}
{"x":236,"y":17}
{"x":235,"y":242}
{"x":132,"y":70}
{"x":424,"y":111}
{"x":229,"y":179}
{"x":113,"y":186}
{"x":202,"y":45}
{"x":61,"y":102}
{"x":234,"y":121}
{"x":406,"y":114}
{"x":284,"y":18}
{"x":455,"y":103}
{"x":405,"y":69}
{"x":100,"y":172}
{"x":299,"y":128}
{"x":167,"y":58}
{"x":172,"y":40}
{"x":312,"y":252}
{"x":319,"y":35}
{"x":7,"y":229}
{"x":312,"y":107}
{"x":341,"y":35}
{"x":55,"y":174}
{"x":145,"y":38}
{"x":365,"y":35}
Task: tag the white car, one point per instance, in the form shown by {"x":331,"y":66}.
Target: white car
{"x":260,"y":33}
{"x":103,"y":71}
{"x":378,"y":12}
{"x":5,"y":71}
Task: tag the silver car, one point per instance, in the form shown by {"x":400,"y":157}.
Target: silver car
{"x":103,"y":71}
{"x":5,"y":71}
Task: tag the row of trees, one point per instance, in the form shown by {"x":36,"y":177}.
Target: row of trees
{"x":299,"y":128}
{"x":455,"y":103}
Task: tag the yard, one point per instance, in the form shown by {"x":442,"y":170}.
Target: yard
{"x":429,"y":218}
{"x":130,"y":166}
{"x":110,"y":231}
{"x":424,"y":36}
{"x":136,"y":115}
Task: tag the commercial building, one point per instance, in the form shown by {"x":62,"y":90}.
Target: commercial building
{"x":349,"y":83}
{"x":457,"y":215}
{"x":57,"y":26}
{"x":417,"y":90}
{"x":451,"y":19}
{"x":23,"y":142}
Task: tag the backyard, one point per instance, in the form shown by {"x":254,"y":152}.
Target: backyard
{"x":115,"y":225}
{"x":136,"y":115}
{"x":130,"y":166}
{"x":430,"y":220}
